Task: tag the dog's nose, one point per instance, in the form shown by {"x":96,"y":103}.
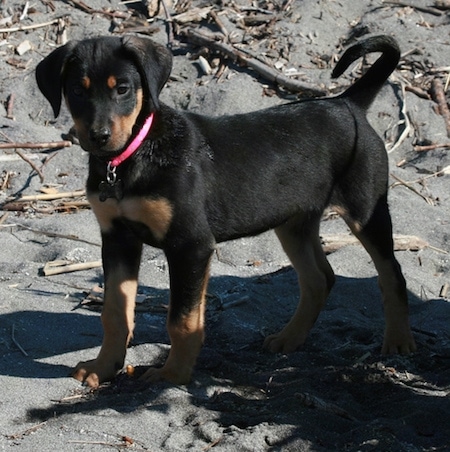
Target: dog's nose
{"x":100,"y":136}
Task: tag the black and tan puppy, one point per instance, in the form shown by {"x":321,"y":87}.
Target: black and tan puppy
{"x":184,"y":182}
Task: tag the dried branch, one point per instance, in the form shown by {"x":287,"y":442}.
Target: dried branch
{"x":35,"y":168}
{"x":428,"y":199}
{"x":423,"y":9}
{"x":52,"y":234}
{"x":263,"y":69}
{"x":333,"y":242}
{"x":59,"y":267}
{"x":47,"y":196}
{"x":28,"y":27}
{"x":438,"y":93}
{"x":405,"y":121}
{"x":431,"y":147}
{"x":47,"y":145}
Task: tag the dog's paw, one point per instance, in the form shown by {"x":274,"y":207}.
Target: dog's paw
{"x":166,"y":373}
{"x":283,"y":342}
{"x":398,"y":342}
{"x":91,"y":373}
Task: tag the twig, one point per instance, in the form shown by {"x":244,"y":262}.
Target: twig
{"x":333,"y":242}
{"x":45,"y":145}
{"x":27,"y":431}
{"x":52,"y":234}
{"x":423,"y":9}
{"x":170,"y":33}
{"x":28,"y":27}
{"x":438,"y":93}
{"x":419,"y":92}
{"x":219,"y":23}
{"x":3,"y":218}
{"x":431,"y":147}
{"x":263,"y":69}
{"x":48,"y":196}
{"x":404,"y":120}
{"x":26,"y":159}
{"x":410,"y":187}
{"x":13,"y":338}
{"x":59,"y":267}
{"x":9,"y":106}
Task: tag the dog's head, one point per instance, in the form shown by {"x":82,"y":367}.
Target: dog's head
{"x":110,"y":85}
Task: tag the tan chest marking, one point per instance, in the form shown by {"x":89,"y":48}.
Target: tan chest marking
{"x":156,"y":214}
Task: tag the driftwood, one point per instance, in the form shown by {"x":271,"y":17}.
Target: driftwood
{"x":410,"y":187}
{"x":438,"y":93}
{"x":58,"y":267}
{"x":47,"y":145}
{"x":423,"y":9}
{"x":431,"y":147}
{"x":47,"y":196}
{"x":270,"y":74}
{"x":333,"y":242}
{"x":28,"y":27}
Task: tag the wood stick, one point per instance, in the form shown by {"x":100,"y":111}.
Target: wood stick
{"x":404,"y":121}
{"x":59,"y":267}
{"x":10,"y":106}
{"x":47,"y":196}
{"x":263,"y":69}
{"x":47,"y":145}
{"x":28,"y":27}
{"x":333,"y":242}
{"x":431,"y":147}
{"x":419,"y":92}
{"x":410,"y":187}
{"x":423,"y":9}
{"x":26,"y":159}
{"x":52,"y":234}
{"x":437,"y":90}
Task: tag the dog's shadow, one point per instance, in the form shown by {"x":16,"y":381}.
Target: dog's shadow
{"x":241,"y":311}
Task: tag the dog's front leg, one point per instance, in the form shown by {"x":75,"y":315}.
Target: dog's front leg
{"x":121,"y":254}
{"x":189,"y":272}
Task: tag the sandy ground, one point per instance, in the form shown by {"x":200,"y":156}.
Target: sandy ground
{"x":337,"y":392}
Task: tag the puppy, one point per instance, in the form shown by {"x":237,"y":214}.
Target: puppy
{"x":183,"y":182}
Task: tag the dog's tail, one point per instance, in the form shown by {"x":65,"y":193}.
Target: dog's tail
{"x":364,"y":90}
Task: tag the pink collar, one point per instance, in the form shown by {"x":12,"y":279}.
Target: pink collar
{"x":132,"y":147}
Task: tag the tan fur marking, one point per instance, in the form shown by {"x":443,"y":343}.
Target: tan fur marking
{"x":111,"y":82}
{"x":105,"y":212}
{"x":186,"y":337}
{"x":156,"y":214}
{"x":118,"y":326}
{"x":341,"y":211}
{"x":86,"y":82}
{"x":122,"y":126}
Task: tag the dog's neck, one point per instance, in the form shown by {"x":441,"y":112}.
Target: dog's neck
{"x":135,"y":143}
{"x":113,"y":187}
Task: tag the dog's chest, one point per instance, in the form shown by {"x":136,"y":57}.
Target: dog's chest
{"x":155,"y":215}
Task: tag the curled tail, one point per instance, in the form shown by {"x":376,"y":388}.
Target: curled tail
{"x":364,"y":90}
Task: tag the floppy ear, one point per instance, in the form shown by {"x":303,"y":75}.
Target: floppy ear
{"x":154,"y":63}
{"x":49,"y":74}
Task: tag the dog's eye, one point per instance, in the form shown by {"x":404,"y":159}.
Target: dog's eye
{"x":77,"y":90}
{"x":122,"y":89}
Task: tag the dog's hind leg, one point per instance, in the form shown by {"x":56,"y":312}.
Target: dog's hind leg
{"x":376,"y":236}
{"x":301,"y":242}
